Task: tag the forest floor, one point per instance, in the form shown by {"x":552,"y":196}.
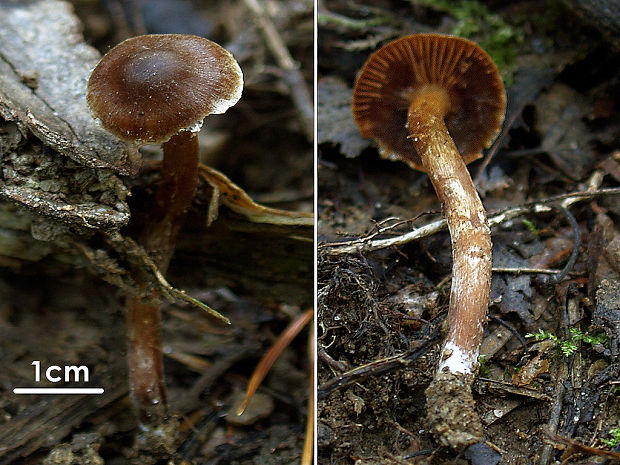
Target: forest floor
{"x":547,"y":389}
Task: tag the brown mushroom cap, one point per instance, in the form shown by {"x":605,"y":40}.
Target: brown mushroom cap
{"x":148,"y":88}
{"x":392,"y":75}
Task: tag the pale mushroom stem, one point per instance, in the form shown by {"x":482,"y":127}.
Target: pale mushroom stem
{"x":471,"y":272}
{"x":179,"y":176}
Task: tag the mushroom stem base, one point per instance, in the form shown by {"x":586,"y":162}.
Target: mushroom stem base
{"x":451,"y":411}
{"x":145,"y":360}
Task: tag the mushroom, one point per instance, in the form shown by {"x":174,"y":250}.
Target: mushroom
{"x":156,"y":89}
{"x":434,"y":102}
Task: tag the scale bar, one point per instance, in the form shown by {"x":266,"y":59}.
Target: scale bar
{"x":58,"y":391}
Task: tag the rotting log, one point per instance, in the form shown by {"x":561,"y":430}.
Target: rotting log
{"x":56,"y":160}
{"x":59,"y":181}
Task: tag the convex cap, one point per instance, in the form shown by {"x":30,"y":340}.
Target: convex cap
{"x":149,"y":88}
{"x":389,"y":79}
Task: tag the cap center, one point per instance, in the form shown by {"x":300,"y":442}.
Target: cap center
{"x":151,"y":69}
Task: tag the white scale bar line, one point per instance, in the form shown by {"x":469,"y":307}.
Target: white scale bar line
{"x":58,"y":391}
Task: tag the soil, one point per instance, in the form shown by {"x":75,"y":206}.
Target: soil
{"x":543,"y":398}
{"x":56,"y":311}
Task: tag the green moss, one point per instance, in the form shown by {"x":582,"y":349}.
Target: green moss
{"x":474,"y":21}
{"x":569,"y":346}
{"x":614,"y":440}
{"x":483,"y":369}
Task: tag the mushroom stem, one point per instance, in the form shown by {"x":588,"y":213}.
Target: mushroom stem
{"x":145,"y":361}
{"x":179,"y":177}
{"x":177,"y":187}
{"x":471,"y":272}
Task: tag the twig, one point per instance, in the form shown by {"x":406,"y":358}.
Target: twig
{"x":525,"y":270}
{"x":139,"y":256}
{"x":173,"y":293}
{"x":214,"y":373}
{"x":539,"y":206}
{"x":578,"y":447}
{"x":575,"y":253}
{"x":337,"y":366}
{"x":530,"y":82}
{"x":378,"y":367}
{"x":381,"y":229}
{"x":419,"y":453}
{"x":512,"y":329}
{"x":188,"y":450}
{"x":504,"y":387}
{"x":326,"y":18}
{"x":555,"y":411}
{"x":293,"y":76}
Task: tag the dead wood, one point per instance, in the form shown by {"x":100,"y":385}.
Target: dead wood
{"x":44,"y":66}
